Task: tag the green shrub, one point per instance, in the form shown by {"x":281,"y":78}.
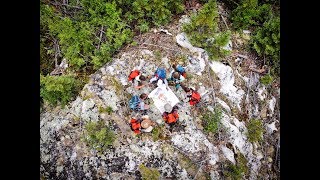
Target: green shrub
{"x":255,"y":130}
{"x":238,"y":170}
{"x":203,"y":31}
{"x":211,"y":121}
{"x":156,"y":133}
{"x":98,"y":136}
{"x":79,"y":36}
{"x":149,"y":173}
{"x":249,"y":13}
{"x":62,"y":89}
{"x":145,"y":13}
{"x":108,"y":110}
{"x":266,"y":40}
{"x":266,"y":80}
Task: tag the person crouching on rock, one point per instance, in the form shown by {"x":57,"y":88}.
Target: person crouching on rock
{"x":135,"y":124}
{"x":138,"y":80}
{"x":159,"y":76}
{"x":192,"y":94}
{"x":176,"y":78}
{"x":170,"y":115}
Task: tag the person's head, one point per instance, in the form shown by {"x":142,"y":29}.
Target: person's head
{"x":142,"y":78}
{"x":174,"y":66}
{"x":176,"y":75}
{"x":167,"y":108}
{"x":143,"y":96}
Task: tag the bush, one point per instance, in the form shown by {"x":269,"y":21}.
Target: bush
{"x":249,"y":14}
{"x":255,"y":130}
{"x":211,"y":121}
{"x":203,"y":31}
{"x":58,"y":89}
{"x":142,"y":14}
{"x":156,"y":132}
{"x":98,"y":136}
{"x":266,"y":80}
{"x":237,"y":171}
{"x":108,"y":110}
{"x":79,"y":37}
{"x":149,"y":173}
{"x":266,"y":40}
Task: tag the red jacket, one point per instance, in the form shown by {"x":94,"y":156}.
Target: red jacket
{"x":135,"y":126}
{"x":170,"y":117}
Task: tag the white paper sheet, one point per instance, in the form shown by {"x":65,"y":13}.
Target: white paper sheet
{"x":161,"y":96}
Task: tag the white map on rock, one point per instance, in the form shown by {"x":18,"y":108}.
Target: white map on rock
{"x":161,"y":96}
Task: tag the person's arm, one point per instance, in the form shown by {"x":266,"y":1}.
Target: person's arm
{"x":181,"y":78}
{"x":153,"y":79}
{"x":166,"y":83}
{"x":141,"y":105}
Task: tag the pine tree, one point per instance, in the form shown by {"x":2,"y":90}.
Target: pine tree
{"x":203,"y":31}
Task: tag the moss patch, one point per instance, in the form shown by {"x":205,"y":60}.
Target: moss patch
{"x":149,"y":173}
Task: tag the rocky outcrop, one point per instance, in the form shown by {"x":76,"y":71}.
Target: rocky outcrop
{"x":65,"y":156}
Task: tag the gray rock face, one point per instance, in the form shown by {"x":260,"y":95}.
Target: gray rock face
{"x":65,"y":156}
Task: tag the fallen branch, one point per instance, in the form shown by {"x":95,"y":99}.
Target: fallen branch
{"x":224,"y":21}
{"x":261,"y":71}
{"x":240,"y":55}
{"x":160,"y":46}
{"x":76,"y":7}
{"x":101,"y":31}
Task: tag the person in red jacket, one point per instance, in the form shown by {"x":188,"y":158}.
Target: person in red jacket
{"x":192,"y":94}
{"x":135,"y":124}
{"x":138,"y":80}
{"x":170,"y":116}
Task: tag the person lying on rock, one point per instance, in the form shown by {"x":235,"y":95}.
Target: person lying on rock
{"x":192,"y":94}
{"x":176,"y":78}
{"x":170,"y":116}
{"x":142,"y":104}
{"x":146,"y":124}
{"x":138,"y":79}
{"x":160,"y":74}
{"x":181,"y":70}
{"x":140,"y":124}
{"x":136,"y":103}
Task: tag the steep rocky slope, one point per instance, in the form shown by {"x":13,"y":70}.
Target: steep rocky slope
{"x":185,"y":153}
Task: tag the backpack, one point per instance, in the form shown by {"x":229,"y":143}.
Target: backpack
{"x":161,"y":73}
{"x":195,"y":98}
{"x":133,"y":75}
{"x":134,"y":103}
{"x":181,"y":70}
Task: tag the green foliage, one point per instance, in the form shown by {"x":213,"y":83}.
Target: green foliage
{"x":98,"y":136}
{"x":263,"y":18}
{"x":232,"y":4}
{"x":54,"y":89}
{"x":255,"y":130}
{"x":266,"y":40}
{"x":266,"y":80}
{"x":149,"y":173}
{"x":249,"y":13}
{"x":88,"y":37}
{"x":108,"y":110}
{"x":237,"y":171}
{"x":156,"y":133}
{"x":139,"y":13}
{"x":203,"y":31}
{"x":211,"y":121}
{"x":157,"y":55}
